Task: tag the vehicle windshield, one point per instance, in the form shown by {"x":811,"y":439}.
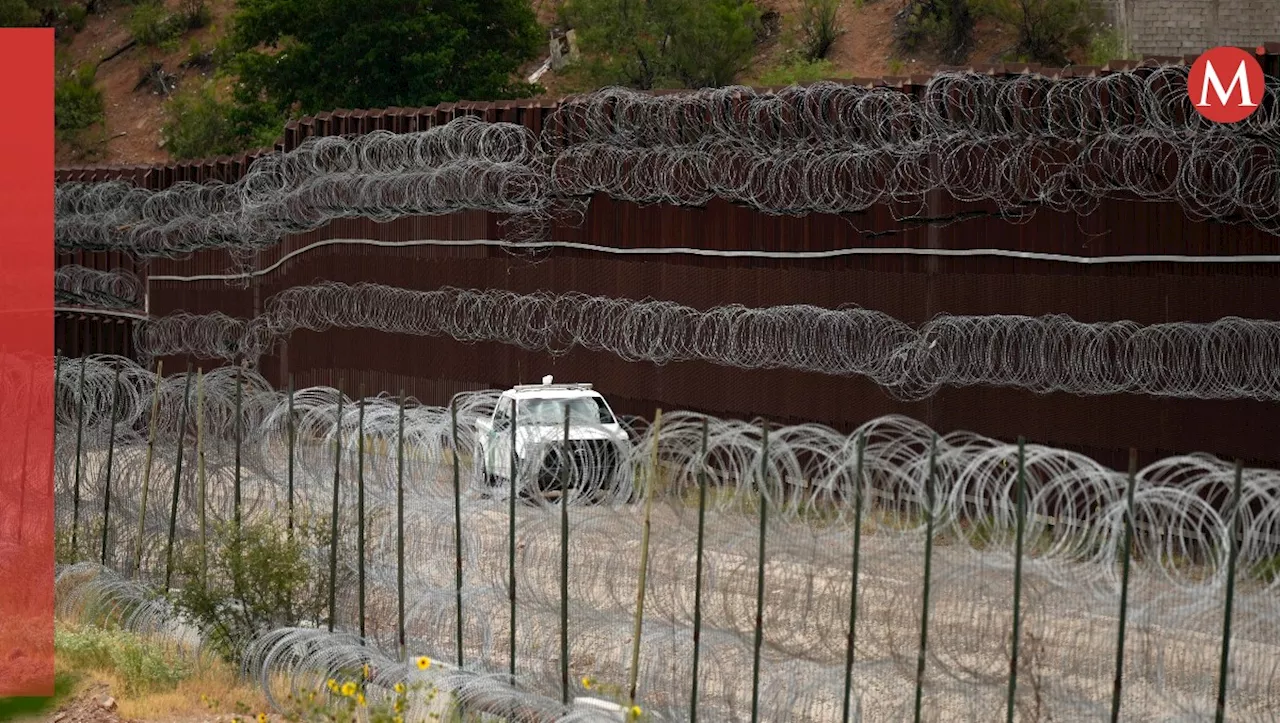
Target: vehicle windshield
{"x":582,"y":410}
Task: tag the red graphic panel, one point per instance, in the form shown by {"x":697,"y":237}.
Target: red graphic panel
{"x":26,"y":362}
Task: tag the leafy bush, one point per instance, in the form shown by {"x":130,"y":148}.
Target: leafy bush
{"x":151,"y":25}
{"x":944,"y":27}
{"x":818,"y":27}
{"x":77,"y":104}
{"x":142,"y":665}
{"x":257,"y":580}
{"x":689,"y":43}
{"x":198,"y":125}
{"x":1107,"y":45}
{"x":18,"y":14}
{"x":1047,"y":29}
{"x":195,"y":14}
{"x":75,"y":16}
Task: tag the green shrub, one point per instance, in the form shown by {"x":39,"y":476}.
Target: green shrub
{"x":198,"y":125}
{"x":818,"y":27}
{"x":77,"y":104}
{"x":142,"y":664}
{"x":195,"y":14}
{"x":1106,"y":45}
{"x":687,"y":43}
{"x":75,"y":15}
{"x":255,"y":580}
{"x":18,"y":14}
{"x":1047,"y":29}
{"x":944,"y":27}
{"x":151,"y":25}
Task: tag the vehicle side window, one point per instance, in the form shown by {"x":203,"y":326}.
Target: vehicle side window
{"x":603,"y":410}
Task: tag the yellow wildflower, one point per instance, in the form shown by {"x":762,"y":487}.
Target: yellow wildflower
{"x":398,"y":706}
{"x":400,"y":688}
{"x":587,"y":682}
{"x":348,"y":689}
{"x":423,"y":662}
{"x":333,"y":685}
{"x":262,"y":718}
{"x":359,"y":698}
{"x":365,"y":669}
{"x":398,"y":719}
{"x":635,"y":711}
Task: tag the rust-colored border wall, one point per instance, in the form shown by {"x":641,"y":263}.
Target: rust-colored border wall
{"x":913,"y":289}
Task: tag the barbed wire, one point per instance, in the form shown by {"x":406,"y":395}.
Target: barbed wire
{"x":811,"y":477}
{"x":1021,"y":143}
{"x":82,"y":286}
{"x":1231,"y":358}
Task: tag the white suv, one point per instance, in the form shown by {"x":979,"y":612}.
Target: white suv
{"x":597,"y":442}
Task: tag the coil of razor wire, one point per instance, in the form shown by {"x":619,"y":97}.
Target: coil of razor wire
{"x":1231,"y":358}
{"x":811,"y":477}
{"x":1021,"y":143}
{"x":75,"y":285}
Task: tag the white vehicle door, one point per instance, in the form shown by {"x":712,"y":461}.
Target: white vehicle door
{"x":498,"y":446}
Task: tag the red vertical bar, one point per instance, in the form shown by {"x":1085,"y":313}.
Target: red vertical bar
{"x":26,"y":358}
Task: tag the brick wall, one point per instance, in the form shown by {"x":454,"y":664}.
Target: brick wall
{"x":1187,"y":27}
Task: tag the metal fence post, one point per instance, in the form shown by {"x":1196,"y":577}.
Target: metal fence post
{"x":360,"y":509}
{"x":1021,"y":512}
{"x":400,"y":637}
{"x":75,"y":495}
{"x":177,"y":478}
{"x":333,"y":517}
{"x":111,"y":448}
{"x":457,"y":525}
{"x":1233,"y":552}
{"x":928,"y":568}
{"x":1118,"y":682}
{"x":697,"y":585}
{"x":638,"y":629}
{"x":853,"y":593}
{"x":146,"y":473}
{"x":764,"y":518}
{"x":564,"y":563}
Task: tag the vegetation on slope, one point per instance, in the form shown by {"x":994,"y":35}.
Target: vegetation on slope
{"x":144,"y":81}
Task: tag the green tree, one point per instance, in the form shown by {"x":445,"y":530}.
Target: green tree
{"x":1047,"y":29}
{"x":646,"y":44}
{"x":306,"y":56}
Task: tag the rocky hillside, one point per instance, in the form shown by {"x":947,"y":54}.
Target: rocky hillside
{"x":135,"y":79}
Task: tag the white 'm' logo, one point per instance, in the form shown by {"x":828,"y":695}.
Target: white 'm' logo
{"x":1241,"y":78}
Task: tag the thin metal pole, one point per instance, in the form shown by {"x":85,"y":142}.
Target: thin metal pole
{"x":853,"y":593}
{"x":650,"y":488}
{"x":177,"y":478}
{"x":400,"y":529}
{"x":75,"y":499}
{"x":1233,"y":552}
{"x":146,"y":474}
{"x":111,"y":449}
{"x":564,"y":563}
{"x":511,"y":536}
{"x":239,"y":393}
{"x":333,"y":517}
{"x":1118,"y":682}
{"x":201,"y":480}
{"x":764,"y":514}
{"x":292,"y":442}
{"x":1017,"y":577}
{"x":928,"y":569}
{"x":360,"y":509}
{"x":457,"y":523}
{"x":697,"y":581}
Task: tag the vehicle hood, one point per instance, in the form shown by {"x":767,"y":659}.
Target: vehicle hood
{"x":550,"y":434}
